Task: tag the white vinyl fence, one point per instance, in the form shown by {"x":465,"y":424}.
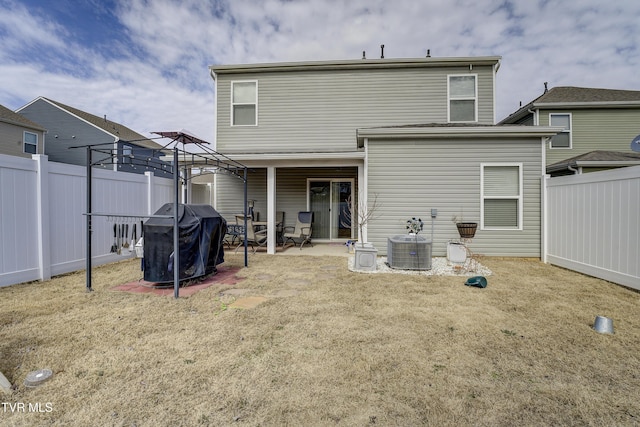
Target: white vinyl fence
{"x":593,"y":224}
{"x":42,"y":221}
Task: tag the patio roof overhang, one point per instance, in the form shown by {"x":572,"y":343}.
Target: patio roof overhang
{"x":436,"y":131}
{"x":297,"y":159}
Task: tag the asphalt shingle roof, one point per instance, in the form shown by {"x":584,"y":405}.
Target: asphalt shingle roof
{"x":122,"y":132}
{"x":570,"y":94}
{"x":8,"y":116}
{"x":576,"y":95}
{"x":595,"y":156}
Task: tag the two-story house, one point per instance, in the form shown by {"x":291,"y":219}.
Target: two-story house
{"x":598,"y":127}
{"x":70,"y":127}
{"x":414,"y":134}
{"x":20,"y":136}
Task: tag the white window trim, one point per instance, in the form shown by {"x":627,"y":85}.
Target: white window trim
{"x":551,"y":147}
{"x":519,"y":198}
{"x":240,"y":103}
{"x":25,"y":143}
{"x":475,"y":98}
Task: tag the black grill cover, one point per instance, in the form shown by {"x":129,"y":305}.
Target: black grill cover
{"x":201,"y":233}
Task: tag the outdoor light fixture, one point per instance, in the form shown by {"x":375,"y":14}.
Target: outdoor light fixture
{"x":250,"y":204}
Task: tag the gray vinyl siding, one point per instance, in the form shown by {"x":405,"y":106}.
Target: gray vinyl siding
{"x":74,"y":132}
{"x":319,"y":111}
{"x":66,"y":126}
{"x":12,"y":140}
{"x":291,"y":191}
{"x":412,"y":177}
{"x":596,"y":129}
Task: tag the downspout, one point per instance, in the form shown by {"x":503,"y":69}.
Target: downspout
{"x":215,"y":105}
{"x":545,"y":180}
{"x":572,"y":169}
{"x":493,"y":84}
{"x":364,"y":193}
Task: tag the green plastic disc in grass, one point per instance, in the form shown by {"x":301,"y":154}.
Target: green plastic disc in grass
{"x":477,"y":281}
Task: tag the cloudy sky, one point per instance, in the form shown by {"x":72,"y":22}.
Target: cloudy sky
{"x":144,"y":63}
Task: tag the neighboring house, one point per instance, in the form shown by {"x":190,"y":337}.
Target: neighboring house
{"x":593,"y":161}
{"x":592,"y":120}
{"x":414,"y":134}
{"x":20,"y":136}
{"x":70,"y":127}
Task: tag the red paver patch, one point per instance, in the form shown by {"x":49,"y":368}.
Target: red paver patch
{"x":224,"y":276}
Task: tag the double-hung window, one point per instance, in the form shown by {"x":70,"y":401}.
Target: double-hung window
{"x":501,"y":189}
{"x":244,"y":103}
{"x":463,"y":98}
{"x":30,"y":142}
{"x":563,"y":139}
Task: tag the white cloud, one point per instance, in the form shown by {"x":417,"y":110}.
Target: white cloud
{"x":160,"y":80}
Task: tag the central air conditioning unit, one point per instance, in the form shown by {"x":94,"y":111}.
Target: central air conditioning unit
{"x":406,"y":252}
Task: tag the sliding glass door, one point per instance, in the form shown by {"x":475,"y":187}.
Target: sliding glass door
{"x":330,"y":201}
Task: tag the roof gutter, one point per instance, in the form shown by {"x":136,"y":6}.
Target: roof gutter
{"x":355,"y":64}
{"x":595,"y":104}
{"x":502,"y":131}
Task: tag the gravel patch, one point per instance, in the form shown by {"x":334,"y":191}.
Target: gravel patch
{"x":439,"y":267}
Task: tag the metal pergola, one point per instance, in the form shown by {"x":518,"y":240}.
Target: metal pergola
{"x":207,"y":159}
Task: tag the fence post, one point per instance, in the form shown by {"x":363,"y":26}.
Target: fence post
{"x":44,"y":230}
{"x":544,"y":217}
{"x":150,"y":192}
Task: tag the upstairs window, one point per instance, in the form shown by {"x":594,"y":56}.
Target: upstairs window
{"x":463,"y":98}
{"x":30,"y":143}
{"x":501,"y":196}
{"x":244,"y":103}
{"x":563,"y":139}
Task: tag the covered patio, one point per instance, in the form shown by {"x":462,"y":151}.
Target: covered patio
{"x":282,"y":186}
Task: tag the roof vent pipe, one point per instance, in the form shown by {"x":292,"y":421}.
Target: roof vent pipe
{"x":428,"y":53}
{"x":546,"y":89}
{"x":364,"y":56}
{"x":381,"y":51}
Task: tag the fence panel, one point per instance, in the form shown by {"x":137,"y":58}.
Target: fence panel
{"x":593,"y":224}
{"x":18,"y":220}
{"x":43,"y":226}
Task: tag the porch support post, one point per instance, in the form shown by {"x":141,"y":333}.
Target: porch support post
{"x":271,"y":210}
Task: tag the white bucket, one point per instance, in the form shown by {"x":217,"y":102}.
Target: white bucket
{"x":456,"y":253}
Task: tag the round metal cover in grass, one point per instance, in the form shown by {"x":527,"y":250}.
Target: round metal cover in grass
{"x":35,"y":378}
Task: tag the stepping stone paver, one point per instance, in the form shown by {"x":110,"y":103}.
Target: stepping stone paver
{"x":248,"y":302}
{"x":235,"y":292}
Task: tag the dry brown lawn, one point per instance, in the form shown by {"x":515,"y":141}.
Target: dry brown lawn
{"x":328,"y":347}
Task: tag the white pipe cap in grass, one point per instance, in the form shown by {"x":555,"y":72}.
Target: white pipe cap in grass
{"x":35,"y":378}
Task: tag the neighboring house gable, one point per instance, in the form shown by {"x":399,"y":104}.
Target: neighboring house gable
{"x":20,"y":136}
{"x":70,"y":127}
{"x":593,"y":120}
